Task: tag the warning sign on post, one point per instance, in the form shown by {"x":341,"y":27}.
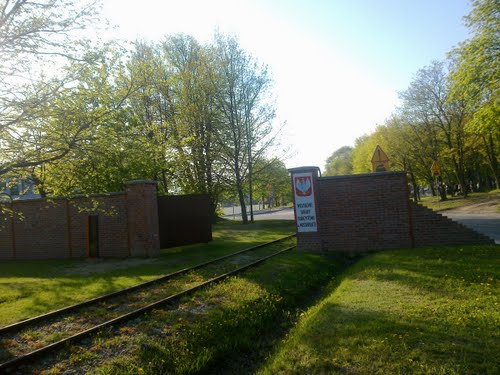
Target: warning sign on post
{"x":305,"y":209}
{"x":436,"y":169}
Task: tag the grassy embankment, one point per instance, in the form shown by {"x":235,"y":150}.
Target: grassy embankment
{"x":30,"y":288}
{"x":455,"y":202}
{"x":422,"y":311}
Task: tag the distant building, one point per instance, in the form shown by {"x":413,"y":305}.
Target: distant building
{"x":20,"y":190}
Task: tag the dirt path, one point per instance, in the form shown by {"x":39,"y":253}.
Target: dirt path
{"x":485,"y":205}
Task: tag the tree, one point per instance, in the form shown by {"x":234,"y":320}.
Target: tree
{"x":84,"y":122}
{"x":34,"y":32}
{"x":197,"y":119}
{"x":362,"y":153}
{"x":41,"y":58}
{"x":339,"y":162}
{"x":427,"y":102}
{"x":272,"y":182}
{"x":243,"y":99}
{"x":475,"y":77}
{"x":151,"y":114}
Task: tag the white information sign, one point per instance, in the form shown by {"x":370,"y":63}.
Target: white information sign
{"x":305,"y":209}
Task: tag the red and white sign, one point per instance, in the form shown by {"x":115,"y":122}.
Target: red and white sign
{"x":305,"y":208}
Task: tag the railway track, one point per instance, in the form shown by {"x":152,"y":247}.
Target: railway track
{"x":26,"y":341}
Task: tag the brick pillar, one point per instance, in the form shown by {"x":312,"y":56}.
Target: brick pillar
{"x":142,"y":218}
{"x":7,"y":234}
{"x":310,"y":240}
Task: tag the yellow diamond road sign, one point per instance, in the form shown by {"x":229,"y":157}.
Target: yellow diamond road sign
{"x":380,"y":161}
{"x":436,"y":169}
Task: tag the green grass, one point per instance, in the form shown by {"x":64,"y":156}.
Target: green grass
{"x":455,"y":202}
{"x":423,"y":311}
{"x":30,"y":288}
{"x":228,"y":328}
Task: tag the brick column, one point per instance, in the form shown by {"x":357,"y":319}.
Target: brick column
{"x":142,"y":218}
{"x":308,"y":240}
{"x":7,"y":234}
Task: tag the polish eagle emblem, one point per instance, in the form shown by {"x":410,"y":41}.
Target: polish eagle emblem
{"x":303,"y":186}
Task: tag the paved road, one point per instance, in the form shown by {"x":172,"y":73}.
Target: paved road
{"x":274,"y":214}
{"x":279,"y":214}
{"x":488,"y":224}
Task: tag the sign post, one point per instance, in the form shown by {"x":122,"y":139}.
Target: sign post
{"x":436,"y":169}
{"x":436,"y":172}
{"x":305,"y":205}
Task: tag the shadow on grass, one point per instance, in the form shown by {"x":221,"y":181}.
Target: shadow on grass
{"x":293,"y":283}
{"x":408,"y":311}
{"x":426,"y":269}
{"x":340,"y":339}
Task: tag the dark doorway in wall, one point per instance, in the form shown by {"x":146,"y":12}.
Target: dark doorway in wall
{"x":93,"y":236}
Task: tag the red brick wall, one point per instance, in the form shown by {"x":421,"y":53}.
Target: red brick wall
{"x":432,"y":228}
{"x":111,"y":212}
{"x":142,"y":216}
{"x":358,"y":213}
{"x":47,"y":220}
{"x":7,"y":250}
{"x":363,"y":212}
{"x":57,"y":228}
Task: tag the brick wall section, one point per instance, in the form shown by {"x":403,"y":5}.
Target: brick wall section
{"x":46,"y":218}
{"x":432,"y":228}
{"x":7,"y":246}
{"x":112,"y":213}
{"x":367,"y":212}
{"x":57,"y":228}
{"x":363,"y":212}
{"x":142,"y":216}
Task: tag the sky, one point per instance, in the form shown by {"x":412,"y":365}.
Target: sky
{"x":337,"y":65}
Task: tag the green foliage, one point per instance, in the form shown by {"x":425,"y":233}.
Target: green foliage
{"x":364,"y":147}
{"x":94,"y":113}
{"x":244,"y":101}
{"x":476,"y":74}
{"x":432,"y":126}
{"x":475,"y":78}
{"x":177,"y":112}
{"x":42,"y":58}
{"x":272,"y":182}
{"x":339,"y":162}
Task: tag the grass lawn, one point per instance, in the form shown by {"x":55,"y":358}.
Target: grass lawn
{"x":420,"y":311}
{"x":30,"y":288}
{"x":455,"y":202}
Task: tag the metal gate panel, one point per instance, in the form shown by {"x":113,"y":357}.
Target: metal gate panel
{"x":184,"y":219}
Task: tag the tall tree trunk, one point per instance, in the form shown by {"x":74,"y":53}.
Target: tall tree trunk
{"x":241,"y":198}
{"x":415,"y":187}
{"x":250,"y":188}
{"x":492,"y":159}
